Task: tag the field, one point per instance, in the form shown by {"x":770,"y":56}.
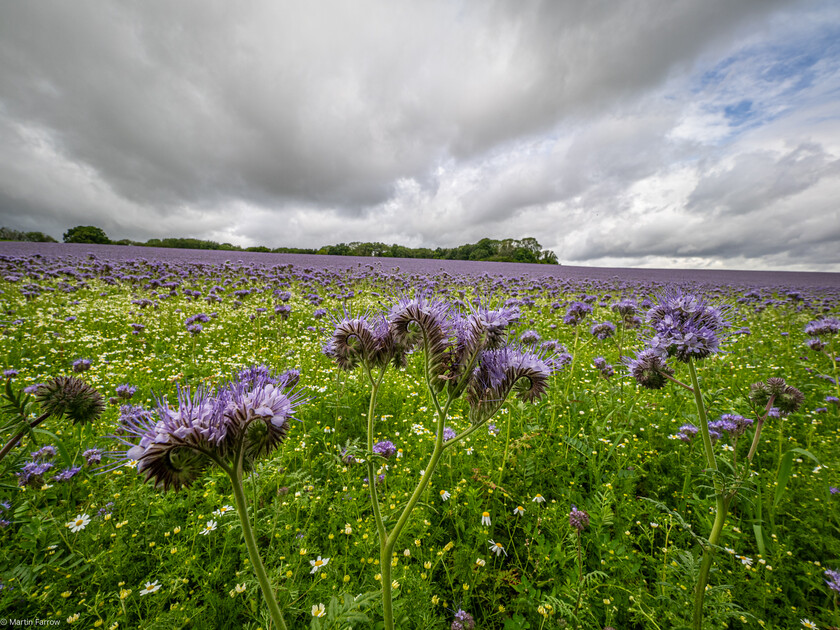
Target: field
{"x":491,"y":535}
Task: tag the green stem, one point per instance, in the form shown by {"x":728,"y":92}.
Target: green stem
{"x":721,"y":503}
{"x":572,"y":366}
{"x":17,"y":438}
{"x":248,"y":533}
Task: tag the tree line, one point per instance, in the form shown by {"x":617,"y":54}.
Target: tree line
{"x":525,"y":250}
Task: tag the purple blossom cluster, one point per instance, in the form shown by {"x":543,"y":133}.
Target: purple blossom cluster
{"x":578,"y":519}
{"x":385,"y":448}
{"x":246,"y":419}
{"x":732,"y":424}
{"x":463,"y":621}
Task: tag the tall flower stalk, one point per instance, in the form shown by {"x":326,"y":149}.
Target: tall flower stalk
{"x":688,"y":329}
{"x":463,"y":355}
{"x":248,"y":418}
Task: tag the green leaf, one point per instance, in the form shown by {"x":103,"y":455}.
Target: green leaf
{"x":785,"y":469}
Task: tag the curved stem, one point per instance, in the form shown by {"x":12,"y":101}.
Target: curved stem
{"x":253,"y":553}
{"x":17,"y":438}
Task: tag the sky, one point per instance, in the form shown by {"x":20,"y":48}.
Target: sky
{"x":637,"y":133}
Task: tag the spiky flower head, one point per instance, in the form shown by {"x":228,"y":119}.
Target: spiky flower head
{"x":500,"y":372}
{"x":578,"y":519}
{"x":785,"y":398}
{"x":649,"y":369}
{"x":71,"y":397}
{"x":686,"y":326}
{"x":364,"y":340}
{"x":385,"y":448}
{"x":247,"y":419}
{"x":823,"y":327}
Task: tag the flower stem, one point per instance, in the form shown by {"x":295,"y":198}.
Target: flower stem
{"x":248,"y":533}
{"x":17,"y":438}
{"x":720,"y":501}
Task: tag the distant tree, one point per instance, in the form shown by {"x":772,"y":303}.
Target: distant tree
{"x":86,"y":234}
{"x":8,"y":234}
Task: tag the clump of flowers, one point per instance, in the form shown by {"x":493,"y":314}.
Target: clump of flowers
{"x":463,"y":621}
{"x":247,"y":419}
{"x":467,"y":354}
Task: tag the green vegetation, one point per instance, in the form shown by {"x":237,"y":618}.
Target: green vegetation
{"x":526,"y":250}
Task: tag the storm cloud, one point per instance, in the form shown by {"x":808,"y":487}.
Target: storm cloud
{"x":645,"y":133}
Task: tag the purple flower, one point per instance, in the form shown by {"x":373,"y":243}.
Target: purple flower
{"x":92,"y":456}
{"x":603,"y":367}
{"x":463,"y":621}
{"x":67,"y":473}
{"x":385,"y":448}
{"x":833,"y":580}
{"x":686,"y":432}
{"x":126,"y":391}
{"x":604,"y":330}
{"x":823,"y":327}
{"x":45,"y":453}
{"x":529,"y":337}
{"x":10,"y":373}
{"x":576,"y":313}
{"x":247,"y":418}
{"x":686,"y":327}
{"x":32,"y":474}
{"x":649,"y":369}
{"x":578,"y":519}
{"x":448,"y":434}
{"x":81,"y":365}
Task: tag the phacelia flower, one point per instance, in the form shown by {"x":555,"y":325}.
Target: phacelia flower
{"x":578,"y":519}
{"x":126,"y":391}
{"x":71,"y":397}
{"x":785,"y":398}
{"x":463,"y":621}
{"x":649,"y":369}
{"x":92,"y":456}
{"x":385,"y":448}
{"x":686,"y":326}
{"x":604,"y":330}
{"x":576,"y":313}
{"x":823,"y":327}
{"x":81,"y":365}
{"x":833,"y":580}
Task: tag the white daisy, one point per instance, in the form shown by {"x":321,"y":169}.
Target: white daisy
{"x":211,"y":526}
{"x":222,"y":510}
{"x":497,"y":548}
{"x":538,"y":499}
{"x":151,"y":587}
{"x":444,"y":495}
{"x":318,"y":610}
{"x":485,"y":519}
{"x":318,"y":564}
{"x":79,"y":523}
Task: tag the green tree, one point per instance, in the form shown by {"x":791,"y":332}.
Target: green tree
{"x":86,"y":234}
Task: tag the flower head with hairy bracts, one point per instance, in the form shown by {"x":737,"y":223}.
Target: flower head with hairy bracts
{"x":247,"y":419}
{"x":686,"y":326}
{"x":823,"y":327}
{"x":71,"y":397}
{"x":504,"y":370}
{"x":785,"y":398}
{"x":649,"y":369}
{"x":365,"y":340}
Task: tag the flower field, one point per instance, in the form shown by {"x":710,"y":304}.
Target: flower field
{"x":462,"y":445}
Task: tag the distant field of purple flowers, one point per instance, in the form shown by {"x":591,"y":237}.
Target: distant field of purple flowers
{"x":786,"y":279}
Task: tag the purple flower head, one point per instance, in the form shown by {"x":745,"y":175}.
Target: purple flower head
{"x":603,"y":367}
{"x":625,"y":308}
{"x":832,"y":400}
{"x":833,"y":580}
{"x":649,"y":369}
{"x":686,"y":432}
{"x":463,"y":621}
{"x":176,"y":444}
{"x":448,"y":434}
{"x":32,"y":474}
{"x":604,"y":330}
{"x":44,"y":454}
{"x":576,"y":313}
{"x":81,"y":365}
{"x":529,"y":337}
{"x":67,"y":474}
{"x":833,"y":490}
{"x":194,"y":329}
{"x":283,"y":310}
{"x":10,"y":373}
{"x":385,"y":448}
{"x":365,"y":340}
{"x":92,"y":456}
{"x":500,"y":372}
{"x":492,"y":429}
{"x":578,"y":519}
{"x":815,"y":344}
{"x":126,"y":391}
{"x":823,"y":327}
{"x":686,"y":326}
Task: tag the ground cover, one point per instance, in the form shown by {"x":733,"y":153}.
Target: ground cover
{"x":492,"y":534}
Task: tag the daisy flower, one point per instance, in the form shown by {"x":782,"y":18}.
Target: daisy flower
{"x":151,"y":587}
{"x":538,"y":499}
{"x":485,"y":519}
{"x":807,"y":623}
{"x":497,"y":548}
{"x":222,"y":510}
{"x":79,"y":523}
{"x":317,"y":564}
{"x":211,"y":526}
{"x":519,"y":511}
{"x":318,"y":610}
{"x":444,"y":495}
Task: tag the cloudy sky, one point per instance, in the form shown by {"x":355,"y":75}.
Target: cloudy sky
{"x":652,"y":133}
